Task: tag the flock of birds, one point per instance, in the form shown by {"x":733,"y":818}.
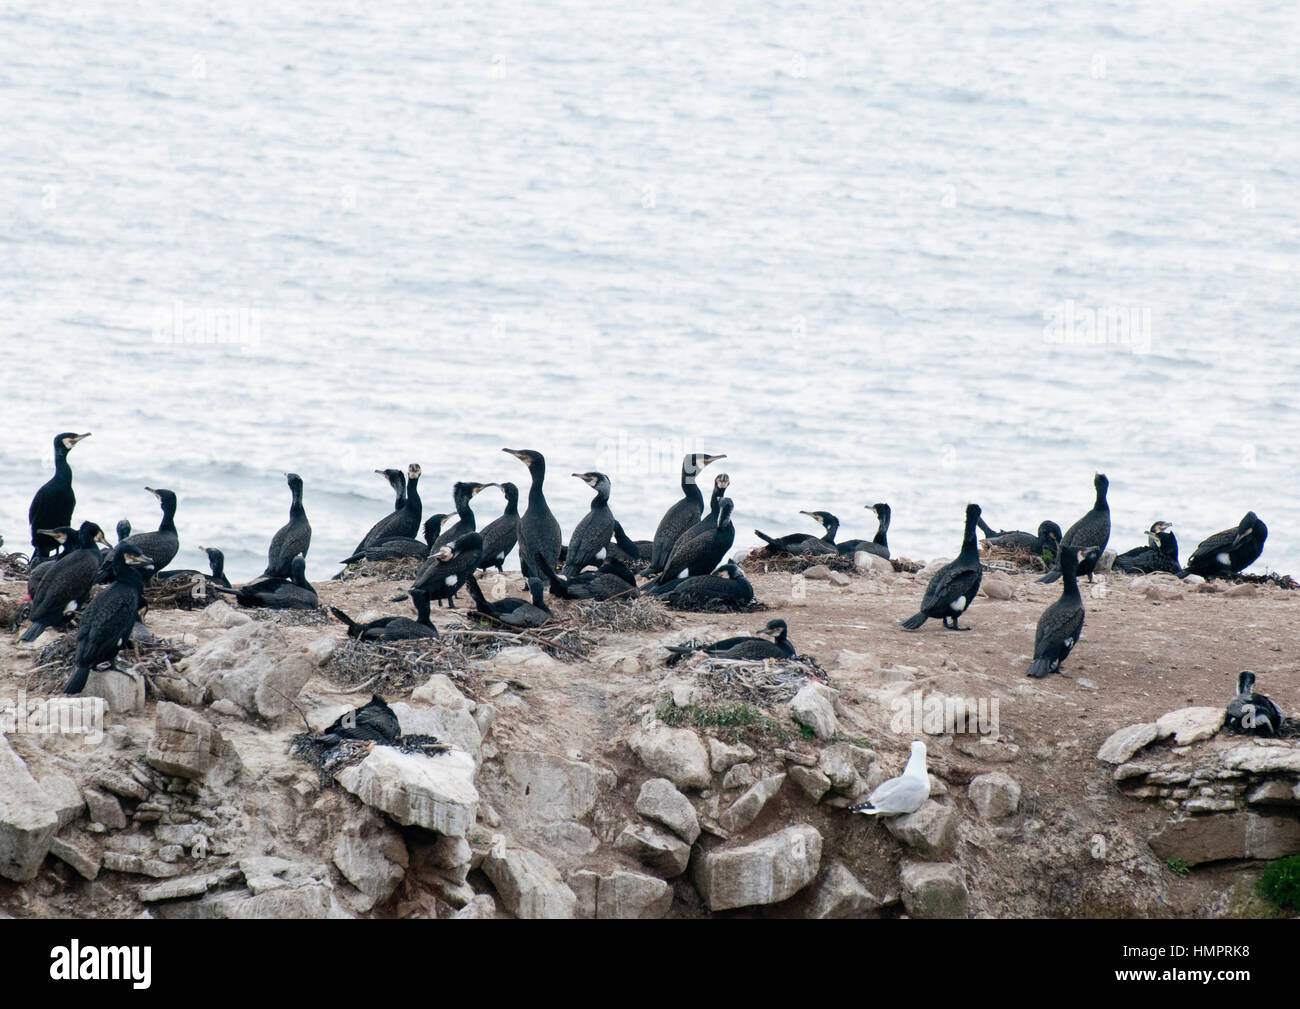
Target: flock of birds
{"x":684,"y":564}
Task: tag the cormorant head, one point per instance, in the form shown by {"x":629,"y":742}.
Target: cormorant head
{"x":972,"y":514}
{"x":123,"y":529}
{"x":216,"y":559}
{"x":413,"y":471}
{"x":510,"y":491}
{"x":59,"y":533}
{"x":1249,"y":526}
{"x":1102,"y":484}
{"x":1049,"y":532}
{"x":91,"y":534}
{"x":772,"y":629}
{"x":826,"y":519}
{"x":724,"y":512}
{"x":527,"y":456}
{"x":1245,"y":682}
{"x":395,"y":477}
{"x":293,"y":480}
{"x":696,"y":461}
{"x":883,"y":512}
{"x":464,"y":490}
{"x":433,"y":526}
{"x":130,"y":555}
{"x":722,"y":481}
{"x":63,"y":443}
{"x":730,"y":570}
{"x":298,"y":569}
{"x":168,"y":499}
{"x":444,"y":553}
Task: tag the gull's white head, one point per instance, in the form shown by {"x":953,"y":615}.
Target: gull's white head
{"x":916,"y":763}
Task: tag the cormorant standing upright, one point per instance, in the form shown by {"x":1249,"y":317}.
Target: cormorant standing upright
{"x":539,"y":532}
{"x":447,"y":568}
{"x":107,"y":622}
{"x":52,"y":505}
{"x":1061,"y":624}
{"x":293,"y":538}
{"x":953,"y":588}
{"x":683,"y":514}
{"x":701,"y":555}
{"x":1093,"y":530}
{"x":461,"y":493}
{"x":1228,"y":552}
{"x":589,"y":544}
{"x":404,"y":521}
{"x":500,"y":535}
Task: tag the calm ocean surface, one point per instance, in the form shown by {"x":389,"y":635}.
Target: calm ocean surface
{"x":956,"y":251}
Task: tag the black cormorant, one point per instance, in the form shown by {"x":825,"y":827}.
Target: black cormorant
{"x":702,"y":554}
{"x":123,"y":529}
{"x":1041,"y":544}
{"x":393,"y":548}
{"x":727,"y":587}
{"x":589,"y":544}
{"x":442,"y":575}
{"x":683,"y":514}
{"x":523,"y":613}
{"x":66,"y":585}
{"x":53,"y":504}
{"x":611,"y":581}
{"x":806,"y":544}
{"x":393,"y":628}
{"x":107,"y":621}
{"x":292,"y":538}
{"x":1061,"y":624}
{"x":68,"y":539}
{"x":539,"y":532}
{"x":1093,"y":530}
{"x":293,"y":593}
{"x":404,"y":521}
{"x":1160,"y":553}
{"x":500,"y":535}
{"x":771,"y":642}
{"x":374,"y":721}
{"x":216,"y":561}
{"x":461,"y":494}
{"x":161,"y":546}
{"x":879,"y":544}
{"x":1228,"y":552}
{"x":396,"y":480}
{"x":1253,"y":713}
{"x":953,"y":588}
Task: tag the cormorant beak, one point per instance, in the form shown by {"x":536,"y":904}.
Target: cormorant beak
{"x":1241,"y":538}
{"x":154,"y":493}
{"x":99,"y":538}
{"x":479,"y":486}
{"x":69,"y":442}
{"x":61,"y":537}
{"x":138,"y":561}
{"x":444,"y":553}
{"x":525,"y":459}
{"x":709,"y":459}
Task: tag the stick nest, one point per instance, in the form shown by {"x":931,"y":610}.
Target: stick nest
{"x":767,"y":560}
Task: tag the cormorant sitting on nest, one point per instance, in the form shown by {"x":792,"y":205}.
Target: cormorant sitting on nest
{"x":393,"y":628}
{"x":1160,"y":553}
{"x":52,"y":505}
{"x":515,"y":612}
{"x":727,"y":587}
{"x":1041,"y":544}
{"x":404,"y":521}
{"x":374,"y":720}
{"x":1228,"y":552}
{"x":1253,"y":713}
{"x":806,"y":544}
{"x":216,"y":561}
{"x":294,"y":593}
{"x":879,"y":545}
{"x":393,"y":548}
{"x":954,"y":586}
{"x":702,"y":554}
{"x":612,"y":581}
{"x":773,"y":643}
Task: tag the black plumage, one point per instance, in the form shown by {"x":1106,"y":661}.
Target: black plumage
{"x":771,"y":641}
{"x":461,"y":494}
{"x":806,"y":544}
{"x":953,"y":587}
{"x":291,"y":539}
{"x":393,"y":548}
{"x":123,"y":529}
{"x":589,"y":544}
{"x":1042,"y":544}
{"x":447,"y":568}
{"x":683,"y":514}
{"x":702,"y":554}
{"x":1160,"y":553}
{"x":397,"y":481}
{"x":878,"y":544}
{"x":53,"y":504}
{"x":1252,"y":713}
{"x":725,"y":588}
{"x":1061,"y":624}
{"x":293,"y":593}
{"x":67,"y":539}
{"x":538,"y":531}
{"x":393,"y":628}
{"x":374,"y":721}
{"x":611,"y":581}
{"x":404,"y":521}
{"x":66,"y":586}
{"x":1228,"y":552}
{"x":161,"y":546}
{"x":522,"y":613}
{"x":108,"y":619}
{"x":501,"y":534}
{"x":217,"y":563}
{"x":1093,"y":530}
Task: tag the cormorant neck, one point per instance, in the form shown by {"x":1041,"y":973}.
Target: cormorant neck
{"x":535,"y":495}
{"x":882,"y":530}
{"x":1101,"y":504}
{"x":831,"y":529}
{"x":969,"y":545}
{"x":412,"y":502}
{"x":61,"y":467}
{"x":296,"y":510}
{"x":168,"y":524}
{"x":600,"y":500}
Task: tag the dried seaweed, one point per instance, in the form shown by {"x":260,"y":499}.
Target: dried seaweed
{"x":180,"y":592}
{"x":398,"y":667}
{"x":152,"y":658}
{"x":330,"y":760}
{"x":289,"y":618}
{"x":1013,"y":559}
{"x":620,"y":616}
{"x":765,"y":683}
{"x":402,"y":569}
{"x":770,"y":561}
